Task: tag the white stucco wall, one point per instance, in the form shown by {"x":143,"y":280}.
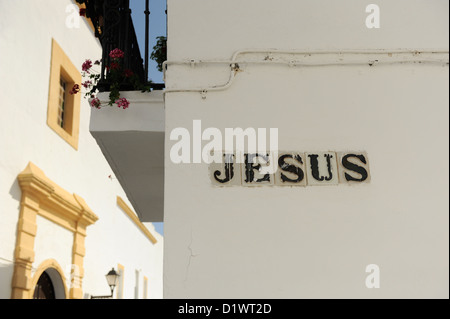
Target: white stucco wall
{"x":52,"y":242}
{"x":313,"y":242}
{"x":26,"y":31}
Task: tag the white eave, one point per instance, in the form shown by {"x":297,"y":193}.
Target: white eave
{"x":132,"y":142}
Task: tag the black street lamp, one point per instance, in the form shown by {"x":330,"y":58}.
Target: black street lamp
{"x":112,"y":277}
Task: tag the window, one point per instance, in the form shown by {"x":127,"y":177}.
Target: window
{"x":63,"y":115}
{"x":62,"y":100}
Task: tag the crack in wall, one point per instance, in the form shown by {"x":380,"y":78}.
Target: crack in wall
{"x":191,"y":255}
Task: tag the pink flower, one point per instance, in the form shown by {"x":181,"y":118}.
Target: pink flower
{"x":86,"y":66}
{"x":116,"y":54}
{"x":123,"y":102}
{"x":114,"y":66}
{"x":127,"y":73}
{"x":95,"y":103}
{"x":75,"y":89}
{"x":86,"y":84}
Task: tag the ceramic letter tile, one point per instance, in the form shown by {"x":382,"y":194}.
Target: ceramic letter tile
{"x":322,"y":168}
{"x":257,"y":177}
{"x":291,"y":169}
{"x":348,"y":174}
{"x":227,"y":173}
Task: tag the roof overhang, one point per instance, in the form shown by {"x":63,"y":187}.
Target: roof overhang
{"x":132,"y":142}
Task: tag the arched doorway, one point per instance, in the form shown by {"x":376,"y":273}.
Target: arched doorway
{"x":49,"y":286}
{"x":44,"y":288}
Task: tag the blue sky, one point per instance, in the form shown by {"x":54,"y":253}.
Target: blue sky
{"x":157,"y":28}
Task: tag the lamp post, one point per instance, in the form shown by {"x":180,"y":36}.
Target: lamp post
{"x":112,"y":277}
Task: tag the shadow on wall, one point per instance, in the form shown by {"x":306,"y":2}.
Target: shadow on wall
{"x":15,"y":191}
{"x":7,"y":266}
{"x":6,"y":273}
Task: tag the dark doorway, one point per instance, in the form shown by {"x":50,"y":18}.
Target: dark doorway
{"x":44,"y":288}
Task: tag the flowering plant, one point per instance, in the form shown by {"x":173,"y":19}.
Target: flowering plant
{"x":116,"y":76}
{"x":159,"y":53}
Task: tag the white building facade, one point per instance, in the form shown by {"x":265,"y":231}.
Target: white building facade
{"x":331,"y":76}
{"x":357,"y":95}
{"x":64,"y":214}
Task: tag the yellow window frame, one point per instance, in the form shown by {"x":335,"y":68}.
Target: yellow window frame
{"x":63,"y":68}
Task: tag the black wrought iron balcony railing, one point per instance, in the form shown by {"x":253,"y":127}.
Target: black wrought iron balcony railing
{"x":114,"y":28}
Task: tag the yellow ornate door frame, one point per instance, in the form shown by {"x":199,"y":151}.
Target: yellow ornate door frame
{"x":41,"y":196}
